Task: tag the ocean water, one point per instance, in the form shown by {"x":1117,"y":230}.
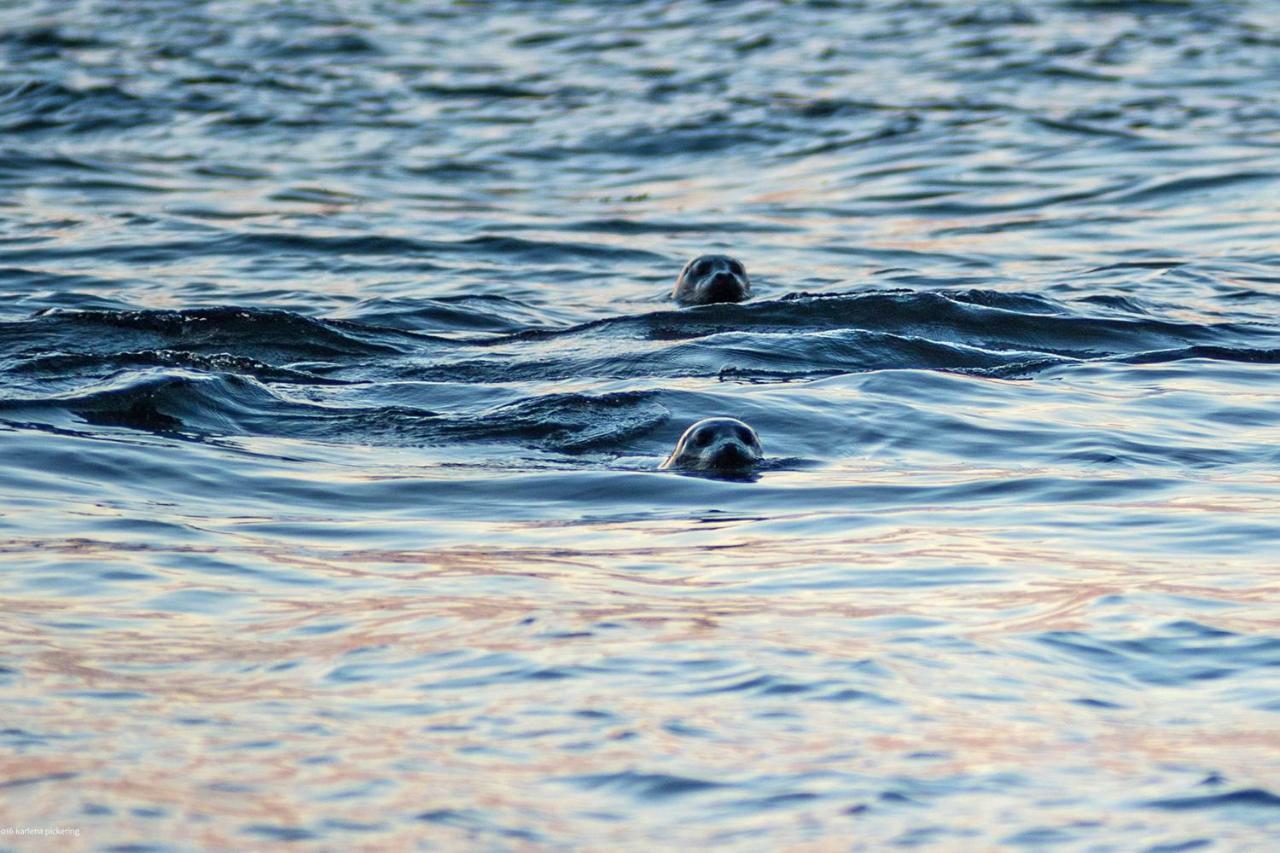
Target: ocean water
{"x":336,"y":366}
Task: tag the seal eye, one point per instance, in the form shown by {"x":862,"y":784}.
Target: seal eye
{"x":737,"y":268}
{"x":700,"y":268}
{"x":745,"y":436}
{"x":701,"y":437}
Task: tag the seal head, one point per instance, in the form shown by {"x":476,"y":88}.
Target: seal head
{"x":712,"y":278}
{"x":716,"y":444}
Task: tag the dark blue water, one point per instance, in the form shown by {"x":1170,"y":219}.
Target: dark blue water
{"x":336,"y":368}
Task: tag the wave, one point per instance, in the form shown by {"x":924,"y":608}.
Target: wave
{"x":232,"y":370}
{"x":976,"y":318}
{"x":257,"y":333}
{"x":81,"y":365}
{"x":38,"y":105}
{"x":814,"y":335}
{"x":184,"y":401}
{"x":409,"y":253}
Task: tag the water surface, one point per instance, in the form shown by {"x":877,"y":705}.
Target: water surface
{"x":336,"y":367}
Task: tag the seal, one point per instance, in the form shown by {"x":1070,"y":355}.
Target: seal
{"x":716,"y":444}
{"x":712,"y":278}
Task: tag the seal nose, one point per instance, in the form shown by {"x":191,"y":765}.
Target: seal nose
{"x":724,"y":287}
{"x":731,"y":454}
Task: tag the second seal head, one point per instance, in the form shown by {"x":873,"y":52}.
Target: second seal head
{"x":712,"y":278}
{"x":716,"y":444}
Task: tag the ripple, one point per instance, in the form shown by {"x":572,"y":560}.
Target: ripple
{"x":336,"y":368}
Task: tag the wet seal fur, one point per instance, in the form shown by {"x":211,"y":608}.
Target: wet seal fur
{"x":712,"y":278}
{"x":716,"y":445}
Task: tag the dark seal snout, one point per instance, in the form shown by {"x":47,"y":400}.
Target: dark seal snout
{"x":731,"y":455}
{"x":724,"y":287}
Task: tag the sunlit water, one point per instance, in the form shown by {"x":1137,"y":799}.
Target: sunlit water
{"x":335,"y":371}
